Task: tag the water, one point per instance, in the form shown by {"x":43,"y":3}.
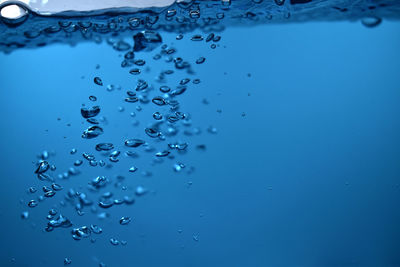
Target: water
{"x":222,"y":133}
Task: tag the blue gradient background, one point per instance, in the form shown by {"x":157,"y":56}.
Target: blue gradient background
{"x":309,"y":177}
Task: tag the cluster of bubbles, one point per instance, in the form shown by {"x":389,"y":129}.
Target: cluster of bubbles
{"x":165,"y":123}
{"x":160,"y":140}
{"x":182,"y":16}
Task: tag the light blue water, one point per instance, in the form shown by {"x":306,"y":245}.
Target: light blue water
{"x":292,"y":156}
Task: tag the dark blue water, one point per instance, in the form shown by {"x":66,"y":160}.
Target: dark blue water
{"x":292,"y":154}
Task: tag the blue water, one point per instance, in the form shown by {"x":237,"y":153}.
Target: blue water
{"x":301,"y":165}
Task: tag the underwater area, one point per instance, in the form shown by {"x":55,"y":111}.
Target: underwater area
{"x":244,"y":133}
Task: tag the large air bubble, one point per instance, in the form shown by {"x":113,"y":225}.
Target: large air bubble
{"x":13,"y":14}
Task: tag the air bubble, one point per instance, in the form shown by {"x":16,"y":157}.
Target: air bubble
{"x":90,"y":112}
{"x":13,"y":14}
{"x":92,"y":132}
{"x":98,"y":81}
{"x":200,"y":60}
{"x":371,"y":22}
{"x":124,"y":220}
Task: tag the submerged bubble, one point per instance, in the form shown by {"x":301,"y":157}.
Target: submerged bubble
{"x":152,"y":132}
{"x":32,"y":190}
{"x":133,"y":169}
{"x":92,"y":132}
{"x":43,"y":167}
{"x":162,"y":153}
{"x":104,"y":146}
{"x":200,"y":60}
{"x":146,"y":40}
{"x":140,"y":191}
{"x":106,"y":204}
{"x":98,"y":81}
{"x":24,"y":215}
{"x":165,"y":89}
{"x":60,"y":221}
{"x":49,"y":194}
{"x":81,"y":232}
{"x":32,"y":203}
{"x":134,"y":142}
{"x":67,"y":261}
{"x":90,"y":112}
{"x":135,"y":71}
{"x":210,"y":37}
{"x":371,"y":22}
{"x":159,"y":101}
{"x":56,"y":187}
{"x":124,"y":220}
{"x":96,"y":229}
{"x":114,"y":241}
{"x":279,"y":2}
{"x":197,"y":37}
{"x":132,"y":99}
{"x":178,"y":167}
{"x":92,"y":121}
{"x":157,"y":116}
